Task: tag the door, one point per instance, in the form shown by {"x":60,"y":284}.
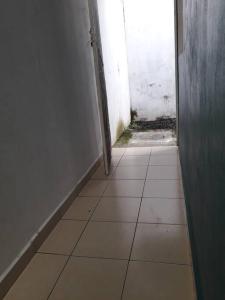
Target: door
{"x":100,"y":82}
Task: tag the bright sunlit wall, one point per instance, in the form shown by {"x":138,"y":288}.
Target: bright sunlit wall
{"x":151,"y":57}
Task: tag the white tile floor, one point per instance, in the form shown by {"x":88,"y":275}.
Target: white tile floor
{"x":124,"y":238}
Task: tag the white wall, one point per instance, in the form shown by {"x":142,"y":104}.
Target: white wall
{"x":151,"y":57}
{"x":115,"y":64}
{"x":49,"y":125}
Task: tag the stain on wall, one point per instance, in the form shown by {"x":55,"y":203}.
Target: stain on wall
{"x":202,"y":139}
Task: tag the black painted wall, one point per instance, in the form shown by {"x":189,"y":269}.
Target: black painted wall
{"x":202,"y":138}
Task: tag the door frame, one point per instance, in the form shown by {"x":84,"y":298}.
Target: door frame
{"x":176,"y":34}
{"x":96,"y":43}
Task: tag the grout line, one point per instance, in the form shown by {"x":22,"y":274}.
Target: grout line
{"x":99,"y":257}
{"x":172,"y":224}
{"x":98,"y":198}
{"x":116,"y":222}
{"x":50,"y":253}
{"x":163,"y":179}
{"x":135,"y":230}
{"x":133,"y":166}
{"x":122,"y":221}
{"x":165,"y":154}
{"x":120,"y":159}
{"x":57,"y":279}
{"x":116,"y":258}
{"x":74,"y":219}
{"x":160,"y":262}
{"x":134,"y":260}
{"x":134,"y":222}
{"x":164,"y":165}
{"x":119,"y":179}
{"x":105,"y":196}
{"x":135,"y":179}
{"x":149,"y":197}
{"x":129,"y":179}
{"x":71,"y":253}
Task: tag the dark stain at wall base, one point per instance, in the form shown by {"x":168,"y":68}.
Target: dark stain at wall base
{"x":120,"y":129}
{"x":123,"y":134}
{"x":159,"y":123}
{"x":125,"y":137}
{"x":133,"y":115}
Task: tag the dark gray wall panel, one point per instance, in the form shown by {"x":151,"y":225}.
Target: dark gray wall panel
{"x":202,"y":138}
{"x":49,"y":124}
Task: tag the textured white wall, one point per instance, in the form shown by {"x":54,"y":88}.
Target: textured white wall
{"x":151,"y":57}
{"x":115,"y":64}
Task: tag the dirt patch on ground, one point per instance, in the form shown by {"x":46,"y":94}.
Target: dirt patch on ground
{"x":159,"y":123}
{"x":149,"y":133}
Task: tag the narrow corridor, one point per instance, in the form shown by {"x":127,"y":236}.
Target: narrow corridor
{"x":124,"y":237}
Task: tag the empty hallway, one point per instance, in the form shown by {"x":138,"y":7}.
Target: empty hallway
{"x":67,"y":69}
{"x":124,"y":237}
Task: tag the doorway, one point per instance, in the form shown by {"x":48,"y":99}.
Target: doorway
{"x":138,"y":42}
{"x":150,"y":39}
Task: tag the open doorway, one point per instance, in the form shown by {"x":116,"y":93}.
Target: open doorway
{"x":150,"y":39}
{"x":138,"y":42}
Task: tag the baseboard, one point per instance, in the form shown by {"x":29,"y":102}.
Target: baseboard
{"x":20,"y":263}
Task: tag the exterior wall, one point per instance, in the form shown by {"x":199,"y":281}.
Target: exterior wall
{"x":202,"y":139}
{"x":115,"y":64}
{"x":49,"y":125}
{"x":151,"y":57}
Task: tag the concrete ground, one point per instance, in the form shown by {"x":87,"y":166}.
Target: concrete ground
{"x":148,"y":138}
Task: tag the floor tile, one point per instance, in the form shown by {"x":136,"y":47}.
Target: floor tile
{"x":100,"y":173}
{"x":163,"y":189}
{"x":118,"y":151}
{"x":130,"y":172}
{"x":115,"y":160}
{"x":63,"y":238}
{"x":106,"y":240}
{"x":82,"y":208}
{"x":163,"y":172}
{"x":146,"y":281}
{"x":138,"y":151}
{"x":160,"y":266}
{"x":164,"y":150}
{"x":158,"y":210}
{"x":161,"y":243}
{"x":125,"y":188}
{"x":91,"y":279}
{"x":94,"y":188}
{"x":164,"y":160}
{"x":38,"y":279}
{"x":117,"y":209}
{"x":130,"y":160}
